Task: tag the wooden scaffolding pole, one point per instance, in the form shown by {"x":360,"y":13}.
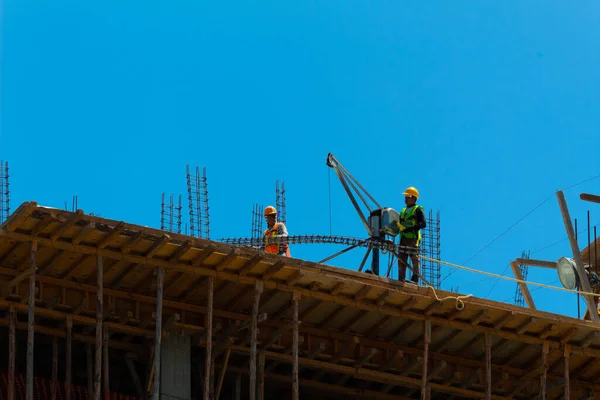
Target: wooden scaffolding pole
{"x":583,"y":279}
{"x":68,"y":356}
{"x":209,"y":334}
{"x":258,"y":288}
{"x":12,"y":317}
{"x":160,"y":276}
{"x":488,"y":366}
{"x":106,"y":365}
{"x":425,"y":387}
{"x":261,"y":375}
{"x":99,"y":322}
{"x":30,"y":322}
{"x":524,"y":289}
{"x":295,"y":371}
{"x":567,"y":355}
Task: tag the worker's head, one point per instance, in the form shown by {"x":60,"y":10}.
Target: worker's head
{"x":270,"y":215}
{"x":411,"y":195}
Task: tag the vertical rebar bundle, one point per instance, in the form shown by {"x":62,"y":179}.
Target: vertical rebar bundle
{"x":519,"y":299}
{"x":170,"y":214}
{"x":198,"y":203}
{"x":4,"y":191}
{"x":430,"y":247}
{"x":257,"y":221}
{"x":280,"y":201}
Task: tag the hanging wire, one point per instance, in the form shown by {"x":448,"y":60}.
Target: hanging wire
{"x":329,"y":183}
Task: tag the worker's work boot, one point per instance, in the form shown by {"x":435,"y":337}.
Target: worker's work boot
{"x":415,"y":279}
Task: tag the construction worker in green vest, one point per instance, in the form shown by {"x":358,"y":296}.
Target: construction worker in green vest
{"x":412,"y":220}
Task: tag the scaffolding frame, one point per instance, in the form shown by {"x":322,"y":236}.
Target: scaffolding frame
{"x":198,"y":203}
{"x":519,"y":299}
{"x":280,"y":201}
{"x":170,"y":214}
{"x":4,"y":191}
{"x":431,"y":247}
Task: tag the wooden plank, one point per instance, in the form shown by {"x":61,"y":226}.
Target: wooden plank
{"x":12,"y":315}
{"x":535,"y":263}
{"x":583,"y":279}
{"x":523,"y":286}
{"x":68,"y":357}
{"x":223,"y":372}
{"x":20,"y":215}
{"x":589,"y":197}
{"x":258,"y":288}
{"x":31,"y":322}
{"x":209,"y":334}
{"x":295,"y":351}
{"x":99,"y":327}
{"x":160,"y":277}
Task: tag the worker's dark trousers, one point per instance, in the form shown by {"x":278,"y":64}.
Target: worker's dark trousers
{"x":403,"y":259}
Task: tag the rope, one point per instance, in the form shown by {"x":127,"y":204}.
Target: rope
{"x":541,"y":285}
{"x":460,"y":305}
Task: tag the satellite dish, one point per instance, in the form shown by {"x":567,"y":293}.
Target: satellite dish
{"x":565,"y":267}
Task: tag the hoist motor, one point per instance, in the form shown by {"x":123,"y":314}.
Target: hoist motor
{"x":383,"y":220}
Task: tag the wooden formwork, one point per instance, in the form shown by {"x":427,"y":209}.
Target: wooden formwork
{"x":284,"y":324}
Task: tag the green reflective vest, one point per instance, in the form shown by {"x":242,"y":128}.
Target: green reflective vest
{"x":408,"y":219}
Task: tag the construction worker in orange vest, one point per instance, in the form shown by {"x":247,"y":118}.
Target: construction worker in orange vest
{"x":275,"y":230}
{"x":412,"y":220}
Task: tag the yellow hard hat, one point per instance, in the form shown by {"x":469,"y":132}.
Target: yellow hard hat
{"x":270,"y":210}
{"x":412,"y":191}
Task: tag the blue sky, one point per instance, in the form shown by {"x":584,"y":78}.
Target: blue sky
{"x":487,"y":108}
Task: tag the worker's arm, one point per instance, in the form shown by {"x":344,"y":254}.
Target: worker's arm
{"x":281,"y":230}
{"x":419,"y":223}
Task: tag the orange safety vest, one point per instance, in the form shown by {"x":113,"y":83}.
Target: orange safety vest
{"x":274,"y":248}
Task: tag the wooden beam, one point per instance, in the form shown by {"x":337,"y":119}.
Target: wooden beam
{"x":535,"y":263}
{"x":523,"y":286}
{"x":68,"y":357}
{"x":209,"y":334}
{"x":160,"y":277}
{"x":258,"y":288}
{"x":31,"y":321}
{"x":295,"y":379}
{"x":589,"y":197}
{"x":273,"y":269}
{"x":250,"y":264}
{"x":6,"y":289}
{"x":12,"y":315}
{"x":223,"y":371}
{"x":583,"y":279}
{"x":69,"y":223}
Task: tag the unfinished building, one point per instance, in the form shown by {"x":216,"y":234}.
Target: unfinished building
{"x":125,"y":310}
